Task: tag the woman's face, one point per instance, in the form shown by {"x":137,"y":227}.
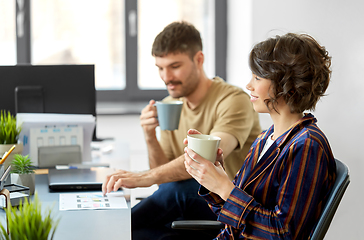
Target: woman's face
{"x":260,"y":90}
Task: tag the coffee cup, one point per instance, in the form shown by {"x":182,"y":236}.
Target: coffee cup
{"x":204,"y":145}
{"x":169,"y":113}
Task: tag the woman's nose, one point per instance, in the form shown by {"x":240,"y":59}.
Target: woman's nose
{"x":249,"y":86}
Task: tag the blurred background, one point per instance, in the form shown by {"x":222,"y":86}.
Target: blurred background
{"x":116,"y":36}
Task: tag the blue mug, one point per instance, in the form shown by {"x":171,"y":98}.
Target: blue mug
{"x":169,"y":113}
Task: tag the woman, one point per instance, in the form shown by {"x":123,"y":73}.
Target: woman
{"x":287,"y":176}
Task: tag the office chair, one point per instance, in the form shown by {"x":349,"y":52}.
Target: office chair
{"x":341,"y":183}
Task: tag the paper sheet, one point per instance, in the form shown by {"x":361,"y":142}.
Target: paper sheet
{"x":83,"y":201}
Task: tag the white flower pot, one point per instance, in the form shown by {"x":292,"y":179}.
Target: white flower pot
{"x":5,"y":147}
{"x":27,"y":180}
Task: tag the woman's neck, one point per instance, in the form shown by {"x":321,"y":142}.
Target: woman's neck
{"x":283,"y":121}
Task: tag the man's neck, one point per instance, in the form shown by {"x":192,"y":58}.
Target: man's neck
{"x":195,"y":98}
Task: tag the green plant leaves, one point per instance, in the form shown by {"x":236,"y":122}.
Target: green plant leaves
{"x":22,"y":164}
{"x":27,"y":222}
{"x":9,"y":133}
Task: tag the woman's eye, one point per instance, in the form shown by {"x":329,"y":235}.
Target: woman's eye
{"x":257,"y":78}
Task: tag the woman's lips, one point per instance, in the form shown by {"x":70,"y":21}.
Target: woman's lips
{"x":253,"y":98}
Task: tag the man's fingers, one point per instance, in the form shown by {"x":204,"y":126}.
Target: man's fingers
{"x":104,"y":185}
{"x":117,"y":184}
{"x":110,"y":184}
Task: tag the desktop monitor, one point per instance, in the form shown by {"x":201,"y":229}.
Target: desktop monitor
{"x":67,"y":89}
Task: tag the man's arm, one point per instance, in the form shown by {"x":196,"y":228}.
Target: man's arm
{"x":149,"y":121}
{"x":169,"y":172}
{"x":156,"y":155}
{"x":228,"y":142}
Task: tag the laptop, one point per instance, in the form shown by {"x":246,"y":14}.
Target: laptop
{"x":89,"y":179}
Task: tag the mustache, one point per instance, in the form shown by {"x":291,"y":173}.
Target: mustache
{"x":173,"y":82}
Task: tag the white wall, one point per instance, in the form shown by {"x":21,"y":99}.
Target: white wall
{"x":338,"y":26}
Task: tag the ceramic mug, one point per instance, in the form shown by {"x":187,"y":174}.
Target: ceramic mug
{"x":204,"y":145}
{"x":169,"y":113}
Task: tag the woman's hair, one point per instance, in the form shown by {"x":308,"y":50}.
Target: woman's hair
{"x":177,"y":37}
{"x":298,"y":67}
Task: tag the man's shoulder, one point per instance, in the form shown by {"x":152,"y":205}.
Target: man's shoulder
{"x":220,"y":85}
{"x":224,"y":91}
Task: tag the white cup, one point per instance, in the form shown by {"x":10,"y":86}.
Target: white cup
{"x":204,"y":145}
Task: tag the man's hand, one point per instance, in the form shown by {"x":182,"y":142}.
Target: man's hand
{"x":149,"y":120}
{"x":126,"y":179}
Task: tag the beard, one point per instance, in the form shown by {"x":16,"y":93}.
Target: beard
{"x":184,"y":89}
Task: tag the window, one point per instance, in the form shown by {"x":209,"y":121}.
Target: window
{"x":116,"y":36}
{"x":7,"y":33}
{"x":198,"y":12}
{"x":81,"y":32}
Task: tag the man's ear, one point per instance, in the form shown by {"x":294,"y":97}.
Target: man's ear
{"x":199,"y":58}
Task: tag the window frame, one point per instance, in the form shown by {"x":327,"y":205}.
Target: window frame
{"x":131,"y":92}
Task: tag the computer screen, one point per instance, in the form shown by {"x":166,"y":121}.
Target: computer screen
{"x":67,"y":89}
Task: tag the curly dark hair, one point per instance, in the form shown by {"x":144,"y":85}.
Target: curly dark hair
{"x":297,"y":65}
{"x":177,"y":37}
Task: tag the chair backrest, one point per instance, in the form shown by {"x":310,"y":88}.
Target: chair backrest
{"x":337,"y":192}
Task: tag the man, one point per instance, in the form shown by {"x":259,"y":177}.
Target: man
{"x":210,"y":106}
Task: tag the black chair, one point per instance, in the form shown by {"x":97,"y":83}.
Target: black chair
{"x":341,"y":183}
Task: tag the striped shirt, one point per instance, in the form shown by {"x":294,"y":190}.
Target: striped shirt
{"x":282,"y":195}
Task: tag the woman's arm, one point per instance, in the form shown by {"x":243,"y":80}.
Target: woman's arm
{"x":302,"y":179}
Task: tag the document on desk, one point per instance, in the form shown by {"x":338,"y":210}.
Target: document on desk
{"x":91,"y":201}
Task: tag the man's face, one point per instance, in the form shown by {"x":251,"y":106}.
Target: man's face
{"x":179,"y":73}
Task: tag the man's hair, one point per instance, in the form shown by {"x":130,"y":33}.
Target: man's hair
{"x":298,"y":67}
{"x":177,"y":37}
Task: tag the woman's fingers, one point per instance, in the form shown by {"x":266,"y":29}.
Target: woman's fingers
{"x":193,"y":131}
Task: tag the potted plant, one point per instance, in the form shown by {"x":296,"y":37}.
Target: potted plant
{"x":29,"y":221}
{"x":22,"y":172}
{"x":9,"y":135}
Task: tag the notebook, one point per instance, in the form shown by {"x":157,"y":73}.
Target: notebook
{"x":77,"y":179}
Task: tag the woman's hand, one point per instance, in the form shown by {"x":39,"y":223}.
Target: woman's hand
{"x":213,"y":177}
{"x":190,"y":131}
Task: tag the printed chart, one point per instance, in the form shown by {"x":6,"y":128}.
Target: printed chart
{"x":83,"y":201}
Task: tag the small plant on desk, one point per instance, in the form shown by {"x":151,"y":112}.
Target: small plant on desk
{"x":29,"y":221}
{"x":22,"y":172}
{"x":9,"y":132}
{"x":22,"y":164}
{"x":9,"y":136}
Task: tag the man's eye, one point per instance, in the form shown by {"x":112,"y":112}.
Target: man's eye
{"x":175,"y":66}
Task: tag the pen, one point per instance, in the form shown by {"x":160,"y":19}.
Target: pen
{"x":6,"y":154}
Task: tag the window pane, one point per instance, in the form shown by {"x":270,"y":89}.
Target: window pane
{"x":81,"y":32}
{"x":154,"y":15}
{"x":7,"y":33}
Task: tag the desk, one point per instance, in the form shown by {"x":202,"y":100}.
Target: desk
{"x":84,"y":224}
{"x":87,"y":224}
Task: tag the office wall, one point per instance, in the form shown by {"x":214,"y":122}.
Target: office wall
{"x":337,"y":25}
